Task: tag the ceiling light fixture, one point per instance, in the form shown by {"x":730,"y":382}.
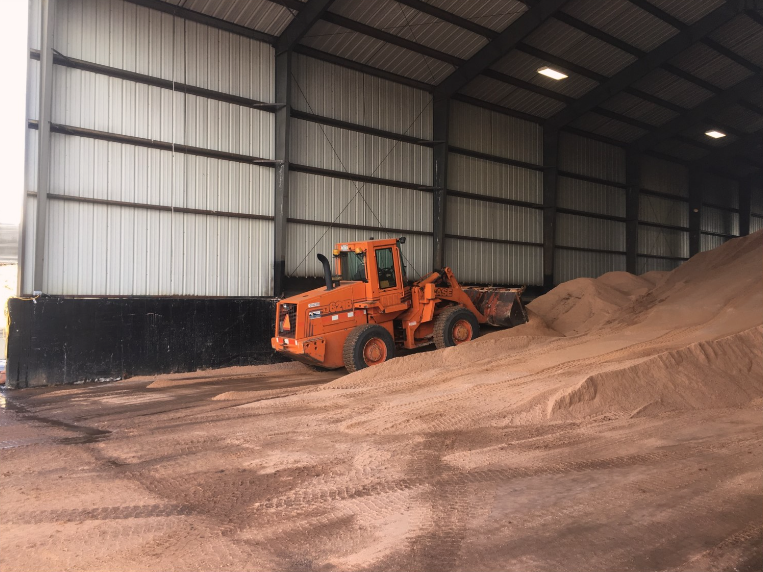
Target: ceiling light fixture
{"x":552,"y":73}
{"x":715,"y":134}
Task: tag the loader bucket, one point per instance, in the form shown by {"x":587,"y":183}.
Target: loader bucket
{"x":501,"y":306}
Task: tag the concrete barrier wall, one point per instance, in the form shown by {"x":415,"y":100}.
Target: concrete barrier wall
{"x":56,"y":340}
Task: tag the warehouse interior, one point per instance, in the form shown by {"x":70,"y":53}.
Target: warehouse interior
{"x":186,"y":160}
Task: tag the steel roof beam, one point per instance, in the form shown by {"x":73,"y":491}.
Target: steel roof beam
{"x":735,"y":149}
{"x":449,"y":17}
{"x":699,"y":113}
{"x":499,"y":46}
{"x":311,"y":12}
{"x":648,"y":63}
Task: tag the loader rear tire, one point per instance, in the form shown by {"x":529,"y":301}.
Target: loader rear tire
{"x":454,"y":326}
{"x":367,"y":345}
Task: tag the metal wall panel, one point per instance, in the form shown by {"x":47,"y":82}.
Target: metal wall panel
{"x":587,"y":232}
{"x":485,"y":131}
{"x":584,"y":156}
{"x":756,"y":200}
{"x":480,"y":219}
{"x":756,"y":224}
{"x":571,"y":264}
{"x":664,"y":176}
{"x":29,"y":230}
{"x":332,"y":91}
{"x":666,"y":242}
{"x":709,"y":242}
{"x":656,"y":264}
{"x":663,"y":211}
{"x":481,"y":262}
{"x":306,"y":241}
{"x":492,"y":179}
{"x":344,"y":150}
{"x":590,"y":197}
{"x":96,"y":249}
{"x":720,"y":221}
{"x":720,"y":191}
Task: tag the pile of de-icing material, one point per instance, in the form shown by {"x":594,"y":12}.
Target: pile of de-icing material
{"x":619,"y":344}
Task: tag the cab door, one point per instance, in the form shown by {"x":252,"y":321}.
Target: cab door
{"x":389,"y":276}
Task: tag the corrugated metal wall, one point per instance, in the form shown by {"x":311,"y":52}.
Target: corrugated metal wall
{"x":127,"y":250}
{"x":488,"y":239}
{"x":663,"y":232}
{"x":756,"y":207}
{"x":360,"y":208}
{"x":720,"y":214}
{"x":591,"y":183}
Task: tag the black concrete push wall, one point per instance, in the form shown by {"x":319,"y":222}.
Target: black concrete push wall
{"x":57,"y":339}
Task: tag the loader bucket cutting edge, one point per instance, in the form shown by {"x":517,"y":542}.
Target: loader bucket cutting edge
{"x":501,"y":306}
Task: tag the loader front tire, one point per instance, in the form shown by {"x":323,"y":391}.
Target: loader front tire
{"x":453,"y":326}
{"x":367,"y":345}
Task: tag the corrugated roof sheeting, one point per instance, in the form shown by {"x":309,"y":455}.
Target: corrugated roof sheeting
{"x":673,"y":89}
{"x":326,"y":199}
{"x":590,"y":197}
{"x":516,"y":98}
{"x":739,"y":118}
{"x":680,"y":150}
{"x":607,"y":127}
{"x":587,"y":232}
{"x":343,"y":150}
{"x":304,"y":241}
{"x":475,"y":261}
{"x":664,"y":176}
{"x":486,"y":131}
{"x":656,"y":264}
{"x":525,"y":67}
{"x":492,"y":179}
{"x":413,"y":25}
{"x":578,"y":47}
{"x":688,"y":12}
{"x":663,"y":211}
{"x":744,"y":36}
{"x":339,"y":93}
{"x":585,"y":156}
{"x":667,"y":242}
{"x":624,"y":21}
{"x":707,"y":64}
{"x":261,"y":15}
{"x":493,"y":14}
{"x":126,"y":36}
{"x":480,"y":219}
{"x":637,"y":108}
{"x":571,"y":264}
{"x":376,"y":53}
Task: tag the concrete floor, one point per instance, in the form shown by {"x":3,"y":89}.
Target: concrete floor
{"x":212,"y":474}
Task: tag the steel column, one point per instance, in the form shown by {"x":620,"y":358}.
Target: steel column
{"x":550,"y":180}
{"x":633,"y":188}
{"x":695,"y":211}
{"x":48,"y":9}
{"x":441,"y":121}
{"x":745,"y":204}
{"x":281,"y":191}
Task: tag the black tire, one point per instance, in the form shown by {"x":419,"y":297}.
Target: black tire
{"x":448,"y":320}
{"x":357,"y":352}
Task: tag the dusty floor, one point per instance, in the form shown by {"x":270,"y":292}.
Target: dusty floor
{"x":621,"y":429}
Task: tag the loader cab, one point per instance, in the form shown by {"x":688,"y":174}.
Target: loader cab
{"x":378,"y":263}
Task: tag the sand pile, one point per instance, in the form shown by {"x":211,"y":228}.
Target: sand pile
{"x":621,"y":344}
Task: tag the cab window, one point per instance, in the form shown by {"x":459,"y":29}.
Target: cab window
{"x":385,"y":264}
{"x":352,"y":267}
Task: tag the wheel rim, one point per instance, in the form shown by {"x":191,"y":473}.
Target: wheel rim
{"x":462,"y":332}
{"x":375,"y":351}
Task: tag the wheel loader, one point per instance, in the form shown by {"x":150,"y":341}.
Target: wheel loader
{"x":368,"y":309}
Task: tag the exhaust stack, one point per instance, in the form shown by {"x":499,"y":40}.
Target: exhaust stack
{"x":326,"y":272}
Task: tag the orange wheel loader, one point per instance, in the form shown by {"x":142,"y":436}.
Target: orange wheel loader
{"x":368,"y":309}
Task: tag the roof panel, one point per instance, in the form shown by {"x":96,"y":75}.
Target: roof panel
{"x":707,"y":64}
{"x":672,"y":88}
{"x":413,"y":25}
{"x":680,"y":150}
{"x":488,"y":89}
{"x":688,"y":11}
{"x":622,"y":20}
{"x":637,"y":108}
{"x":740,"y":118}
{"x":370,"y":51}
{"x":493,"y":14}
{"x":260,"y":15}
{"x":569,"y":43}
{"x":743,"y":36}
{"x":525,"y":67}
{"x":511,"y":97}
{"x":600,"y":125}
